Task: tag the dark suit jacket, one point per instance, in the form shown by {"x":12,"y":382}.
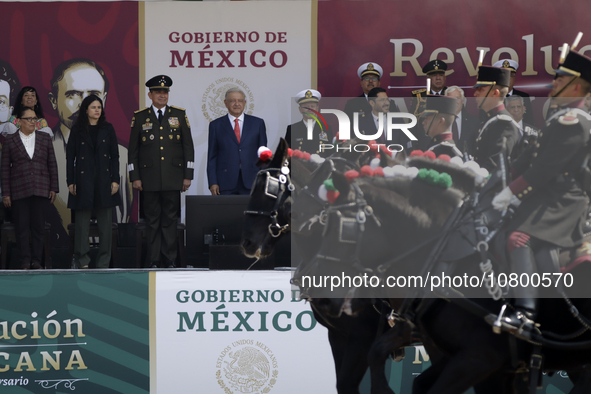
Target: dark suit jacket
{"x":24,"y":177}
{"x":93,"y":168}
{"x":358,"y":104}
{"x":161,"y":155}
{"x":226,"y":157}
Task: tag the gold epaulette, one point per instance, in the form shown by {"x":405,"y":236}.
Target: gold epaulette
{"x":179,"y":108}
{"x":140,"y":110}
{"x":418,"y":91}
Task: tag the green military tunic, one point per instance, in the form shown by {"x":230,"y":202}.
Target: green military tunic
{"x":554,"y":205}
{"x":443,"y":144}
{"x":161,"y":155}
{"x":497,"y":124}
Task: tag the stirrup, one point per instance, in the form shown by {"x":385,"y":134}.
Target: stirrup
{"x":517,"y":324}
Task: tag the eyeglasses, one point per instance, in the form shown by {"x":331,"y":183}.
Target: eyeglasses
{"x":372,"y":79}
{"x":30,"y":119}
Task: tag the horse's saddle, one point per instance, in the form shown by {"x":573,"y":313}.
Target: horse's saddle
{"x":572,"y":257}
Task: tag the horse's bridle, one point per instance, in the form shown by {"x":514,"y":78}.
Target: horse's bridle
{"x":275,"y":187}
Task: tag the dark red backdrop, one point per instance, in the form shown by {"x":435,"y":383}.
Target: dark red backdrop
{"x":351,"y":33}
{"x":36,"y":37}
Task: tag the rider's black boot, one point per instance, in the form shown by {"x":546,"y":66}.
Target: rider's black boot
{"x":521,"y":320}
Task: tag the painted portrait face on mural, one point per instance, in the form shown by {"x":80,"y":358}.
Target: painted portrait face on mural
{"x":5,"y":108}
{"x":78,"y":81}
{"x":9,"y":85}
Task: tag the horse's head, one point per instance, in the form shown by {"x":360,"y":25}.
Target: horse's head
{"x":269,"y":207}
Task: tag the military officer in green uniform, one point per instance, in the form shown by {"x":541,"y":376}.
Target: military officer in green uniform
{"x":435,"y":71}
{"x":549,"y":190}
{"x":495,"y":121}
{"x":437,"y":119}
{"x":161,"y":162}
{"x":297,"y":133}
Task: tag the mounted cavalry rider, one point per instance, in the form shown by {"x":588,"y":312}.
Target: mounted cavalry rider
{"x":495,"y":121}
{"x":547,"y":182}
{"x":437,"y":119}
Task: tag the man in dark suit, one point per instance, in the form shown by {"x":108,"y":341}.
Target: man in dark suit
{"x":370,"y":74}
{"x":296,"y":134}
{"x":437,"y":119}
{"x":495,"y":122}
{"x":528,"y":134}
{"x":232,"y":147}
{"x":161,"y":162}
{"x":513,"y":66}
{"x":465,"y":126}
{"x":380,"y":106}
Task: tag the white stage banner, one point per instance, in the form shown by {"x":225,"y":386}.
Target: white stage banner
{"x":236,"y":332}
{"x":264,"y":48}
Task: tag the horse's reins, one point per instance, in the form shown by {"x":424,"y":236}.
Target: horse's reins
{"x":284,"y":182}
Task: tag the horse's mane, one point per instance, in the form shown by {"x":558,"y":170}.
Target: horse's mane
{"x":383,"y":200}
{"x":463,"y":178}
{"x":301,"y":170}
{"x":434,"y":200}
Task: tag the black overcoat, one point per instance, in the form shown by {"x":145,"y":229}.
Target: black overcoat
{"x":92,"y":169}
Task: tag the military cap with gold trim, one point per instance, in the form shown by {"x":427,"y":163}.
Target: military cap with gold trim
{"x":435,"y":66}
{"x":507,"y":63}
{"x":159,"y":82}
{"x":437,"y":104}
{"x":370,"y":69}
{"x":308,"y":96}
{"x":575,"y":65}
{"x":489,"y":75}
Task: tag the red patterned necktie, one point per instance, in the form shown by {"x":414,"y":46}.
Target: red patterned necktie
{"x":237,"y":130}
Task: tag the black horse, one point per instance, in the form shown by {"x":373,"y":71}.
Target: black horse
{"x":470,"y":354}
{"x":269,"y":211}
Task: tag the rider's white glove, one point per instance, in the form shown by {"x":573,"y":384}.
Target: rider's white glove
{"x":504,"y":199}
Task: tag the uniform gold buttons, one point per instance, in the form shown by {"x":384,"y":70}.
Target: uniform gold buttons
{"x":161,"y":137}
{"x":161,"y":148}
{"x":163,"y":158}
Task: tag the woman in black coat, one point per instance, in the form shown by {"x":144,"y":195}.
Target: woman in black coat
{"x":93,"y":179}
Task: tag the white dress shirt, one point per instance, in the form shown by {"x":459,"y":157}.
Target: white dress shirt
{"x":28,"y":142}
